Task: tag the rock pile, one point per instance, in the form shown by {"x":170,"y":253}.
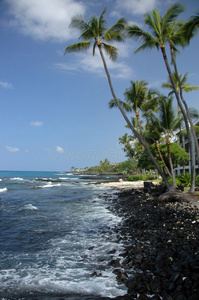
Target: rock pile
{"x":161,"y":257}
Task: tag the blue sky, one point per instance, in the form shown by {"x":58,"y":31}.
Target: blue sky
{"x":54,"y":108}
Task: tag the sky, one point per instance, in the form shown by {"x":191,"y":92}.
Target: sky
{"x":54,"y":111}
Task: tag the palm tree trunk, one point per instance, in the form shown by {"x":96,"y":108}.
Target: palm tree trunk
{"x":192,"y":188}
{"x":184,"y":102}
{"x":131,"y":126}
{"x":131,"y":158}
{"x":185,"y":105}
{"x":162,"y":159}
{"x":170,"y":160}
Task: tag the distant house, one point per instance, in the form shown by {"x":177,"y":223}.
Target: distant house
{"x":183,"y":142}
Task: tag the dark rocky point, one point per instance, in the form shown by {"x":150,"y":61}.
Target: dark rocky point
{"x":160,"y":232}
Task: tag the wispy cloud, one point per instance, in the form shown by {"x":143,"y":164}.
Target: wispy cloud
{"x":136,"y":7}
{"x":59,"y":149}
{"x":36,"y":123}
{"x":6,"y":85}
{"x":87,"y":63}
{"x":46,"y":19}
{"x":12,"y":149}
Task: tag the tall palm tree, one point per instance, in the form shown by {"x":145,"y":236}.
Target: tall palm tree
{"x":95,"y":31}
{"x":177,"y":35}
{"x":159,"y":37}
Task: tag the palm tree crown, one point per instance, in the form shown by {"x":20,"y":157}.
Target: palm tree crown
{"x":159,"y":27}
{"x":95,"y":31}
{"x":186,"y":87}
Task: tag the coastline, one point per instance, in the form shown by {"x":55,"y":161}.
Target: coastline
{"x":161,"y":241}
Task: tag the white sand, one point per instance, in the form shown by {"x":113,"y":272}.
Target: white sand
{"x":124,"y":185}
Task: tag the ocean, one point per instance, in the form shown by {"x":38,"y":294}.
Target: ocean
{"x":56,"y":237}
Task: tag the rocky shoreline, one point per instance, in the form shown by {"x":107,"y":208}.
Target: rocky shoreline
{"x":161,"y":241}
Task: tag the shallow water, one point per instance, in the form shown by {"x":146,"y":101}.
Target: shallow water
{"x":56,"y":231}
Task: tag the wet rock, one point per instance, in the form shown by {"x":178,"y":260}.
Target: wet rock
{"x":161,"y":238}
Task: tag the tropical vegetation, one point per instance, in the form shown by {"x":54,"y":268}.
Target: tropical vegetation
{"x":154,"y":119}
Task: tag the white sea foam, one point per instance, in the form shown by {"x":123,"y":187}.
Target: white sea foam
{"x":3,"y":190}
{"x":49,"y":185}
{"x":30,"y":207}
{"x":17,"y":178}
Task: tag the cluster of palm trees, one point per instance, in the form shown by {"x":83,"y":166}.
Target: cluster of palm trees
{"x":162,"y":31}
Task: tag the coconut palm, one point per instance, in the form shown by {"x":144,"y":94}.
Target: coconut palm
{"x":186,"y":87}
{"x":153,"y":130}
{"x":170,"y":123}
{"x":126,"y":141}
{"x":95,"y":30}
{"x":177,"y":35}
{"x":160,"y":27}
{"x":135,"y":97}
{"x":153,"y":135}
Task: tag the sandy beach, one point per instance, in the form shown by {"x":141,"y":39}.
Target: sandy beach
{"x":124,"y":185}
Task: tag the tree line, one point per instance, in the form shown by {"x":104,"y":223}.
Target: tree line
{"x":163,"y":31}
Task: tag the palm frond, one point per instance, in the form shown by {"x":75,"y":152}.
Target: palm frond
{"x":77,"y":47}
{"x":115,"y":32}
{"x":111,"y":51}
{"x":94,"y":47}
{"x":194,"y":113}
{"x":126,"y":106}
{"x":102,"y":22}
{"x":154,"y":23}
{"x":84,"y":27}
{"x":172,"y":13}
{"x":133,"y":31}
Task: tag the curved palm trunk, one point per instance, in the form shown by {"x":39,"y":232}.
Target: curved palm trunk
{"x":185,"y":105}
{"x":131,"y":158}
{"x":131,"y":126}
{"x":192,"y":188}
{"x":170,"y":160}
{"x":162,"y":159}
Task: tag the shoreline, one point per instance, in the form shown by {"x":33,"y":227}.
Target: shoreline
{"x":161,"y":241}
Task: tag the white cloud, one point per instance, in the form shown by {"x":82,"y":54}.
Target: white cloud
{"x":12,"y":149}
{"x":136,"y":7}
{"x":59,"y":149}
{"x":86,"y":62}
{"x":36,"y":123}
{"x":6,"y":85}
{"x":45,"y":19}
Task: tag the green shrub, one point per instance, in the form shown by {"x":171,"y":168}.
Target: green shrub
{"x":140,"y":177}
{"x":185,"y":179}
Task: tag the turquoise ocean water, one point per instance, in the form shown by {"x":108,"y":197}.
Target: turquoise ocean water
{"x":55,"y":232}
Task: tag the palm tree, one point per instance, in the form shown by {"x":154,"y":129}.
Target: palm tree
{"x":126,"y":141}
{"x":170,"y":124}
{"x":135,"y":97}
{"x":160,"y":36}
{"x":186,"y":87}
{"x":154,"y":130}
{"x":177,"y":35}
{"x":95,"y":31}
